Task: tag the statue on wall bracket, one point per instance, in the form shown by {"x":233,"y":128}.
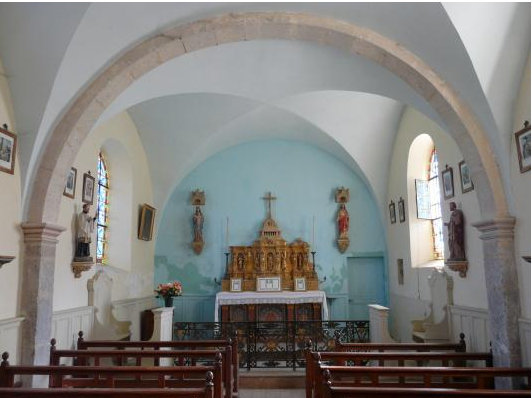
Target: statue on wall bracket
{"x":197,"y":199}
{"x":342,"y":218}
{"x":456,"y":231}
{"x":83,"y":260}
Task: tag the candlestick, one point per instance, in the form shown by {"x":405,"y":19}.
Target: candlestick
{"x":313,"y":232}
{"x":313,"y":261}
{"x":227,"y":233}
{"x":226,"y":259}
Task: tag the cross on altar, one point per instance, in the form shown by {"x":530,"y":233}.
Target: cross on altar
{"x":269,"y":197}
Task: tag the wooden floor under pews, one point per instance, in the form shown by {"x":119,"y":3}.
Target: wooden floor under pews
{"x":210,"y":369}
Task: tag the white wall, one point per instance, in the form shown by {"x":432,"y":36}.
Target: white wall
{"x":521,"y":191}
{"x":409,"y":301}
{"x":130,"y":260}
{"x":10,"y":213}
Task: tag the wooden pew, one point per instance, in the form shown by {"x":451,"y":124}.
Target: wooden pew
{"x":332,"y":391}
{"x":85,"y":356}
{"x":419,"y":347}
{"x":118,"y":376}
{"x":83,"y":344}
{"x":314,"y":359}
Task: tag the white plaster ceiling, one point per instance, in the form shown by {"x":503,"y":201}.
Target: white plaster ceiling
{"x":51,"y":52}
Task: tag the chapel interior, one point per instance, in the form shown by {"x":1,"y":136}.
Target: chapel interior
{"x":324,"y":172}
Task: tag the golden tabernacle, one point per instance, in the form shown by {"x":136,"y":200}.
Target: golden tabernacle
{"x":271,"y":256}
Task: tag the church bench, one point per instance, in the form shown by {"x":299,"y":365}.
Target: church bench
{"x":206,"y":392}
{"x":118,"y":376}
{"x":83,"y":344}
{"x":380,"y":347}
{"x":445,"y":359}
{"x":179,"y":356}
{"x":413,"y":377}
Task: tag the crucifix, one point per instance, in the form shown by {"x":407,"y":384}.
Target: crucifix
{"x":269,"y":197}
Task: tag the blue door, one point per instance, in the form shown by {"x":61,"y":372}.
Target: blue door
{"x":366,"y":285}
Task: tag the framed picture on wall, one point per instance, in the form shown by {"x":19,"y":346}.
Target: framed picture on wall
{"x":401,"y":206}
{"x":146,"y":221}
{"x":522,"y":140}
{"x":8,"y":150}
{"x":465,"y":177}
{"x":391,"y":206}
{"x":88,"y":188}
{"x":448,"y":183}
{"x":70,"y":186}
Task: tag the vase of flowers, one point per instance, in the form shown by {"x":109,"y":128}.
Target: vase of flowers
{"x":167,"y":291}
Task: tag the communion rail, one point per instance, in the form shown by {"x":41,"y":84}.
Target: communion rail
{"x":275,"y":344}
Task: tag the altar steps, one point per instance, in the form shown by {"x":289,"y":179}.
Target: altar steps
{"x":272,"y":379}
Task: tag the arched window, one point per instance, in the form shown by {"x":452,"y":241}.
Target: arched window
{"x":102,"y":211}
{"x":435,"y":206}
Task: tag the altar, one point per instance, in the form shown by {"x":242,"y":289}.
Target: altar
{"x":270,"y":280}
{"x":271,"y":306}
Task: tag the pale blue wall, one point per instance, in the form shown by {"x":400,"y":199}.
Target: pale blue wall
{"x":303,"y":178}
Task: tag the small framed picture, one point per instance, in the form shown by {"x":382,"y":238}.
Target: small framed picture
{"x":465,"y":177}
{"x":146,"y":221}
{"x":271,"y":284}
{"x":236,"y":284}
{"x":391,"y":206}
{"x":522,"y":140}
{"x":8,"y":150}
{"x":400,"y":272}
{"x":300,"y":284}
{"x":448,"y":182}
{"x":88,"y":188}
{"x":70,"y":186}
{"x":401,"y":206}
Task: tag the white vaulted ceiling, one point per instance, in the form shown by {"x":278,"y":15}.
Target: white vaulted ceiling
{"x":202,"y":102}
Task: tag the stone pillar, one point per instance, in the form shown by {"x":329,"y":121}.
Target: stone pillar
{"x":502,"y":286}
{"x":36,"y":305}
{"x":378,"y":324}
{"x":162,"y":329}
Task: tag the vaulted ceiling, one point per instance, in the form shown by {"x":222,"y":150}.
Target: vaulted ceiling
{"x":193,"y":106}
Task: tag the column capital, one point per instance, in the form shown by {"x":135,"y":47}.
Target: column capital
{"x":41,"y":232}
{"x":496,"y":228}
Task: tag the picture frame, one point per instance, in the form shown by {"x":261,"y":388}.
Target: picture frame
{"x":400,"y":271}
{"x":523,"y":143}
{"x":70,"y":185}
{"x":8,"y":150}
{"x":88,"y":188}
{"x":447,"y":182}
{"x":146,"y":222}
{"x":401,"y":209}
{"x":466,"y":182}
{"x":269,"y":284}
{"x":300,"y":284}
{"x":391,"y":206}
{"x":236,"y":284}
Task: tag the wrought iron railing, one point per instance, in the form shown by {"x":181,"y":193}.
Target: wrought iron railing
{"x":275,"y":344}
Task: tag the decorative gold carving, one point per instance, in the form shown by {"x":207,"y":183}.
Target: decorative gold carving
{"x":197,"y":246}
{"x":460,"y":266}
{"x":271,"y":256}
{"x":81,"y":266}
{"x":343,"y":244}
{"x":342,"y":195}
{"x":197,"y":198}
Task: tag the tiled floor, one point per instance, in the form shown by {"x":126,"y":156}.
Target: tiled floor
{"x":261,"y":393}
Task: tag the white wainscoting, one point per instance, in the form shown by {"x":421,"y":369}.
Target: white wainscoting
{"x":130,"y":310}
{"x":66,"y":325}
{"x":524,"y":334}
{"x":474,"y":323}
{"x":9,"y":338}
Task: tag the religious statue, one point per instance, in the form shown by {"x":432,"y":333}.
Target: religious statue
{"x":343,"y":221}
{"x":455,"y":228}
{"x":197,"y":224}
{"x":85,"y":228}
{"x":342,"y":218}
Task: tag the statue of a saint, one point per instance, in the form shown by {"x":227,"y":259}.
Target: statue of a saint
{"x":343,"y":221}
{"x":85,"y":228}
{"x":455,"y":228}
{"x":197,"y":222}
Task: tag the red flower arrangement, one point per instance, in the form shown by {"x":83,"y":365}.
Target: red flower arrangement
{"x":169,"y":289}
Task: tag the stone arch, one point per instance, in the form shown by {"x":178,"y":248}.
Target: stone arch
{"x":75,"y":124}
{"x":83,"y":113}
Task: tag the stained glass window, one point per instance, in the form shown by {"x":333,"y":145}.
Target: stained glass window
{"x":428,"y":203}
{"x":102,"y":212}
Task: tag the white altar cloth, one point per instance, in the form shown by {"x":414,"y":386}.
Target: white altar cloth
{"x":240,"y":298}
